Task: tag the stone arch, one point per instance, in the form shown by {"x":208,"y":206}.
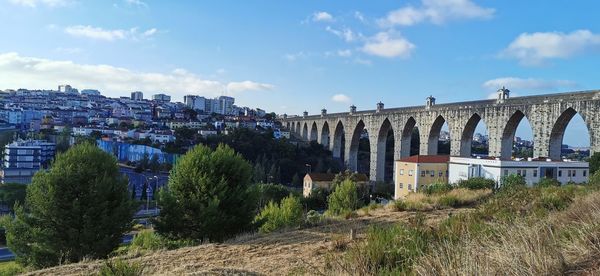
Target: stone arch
{"x":508,"y":134}
{"x":383,"y":170}
{"x":337,"y":147}
{"x":305,"y":132}
{"x":466,"y":139}
{"x":324,"y":138}
{"x":558,"y":132}
{"x":354,"y":145}
{"x":314,"y":132}
{"x":434,"y":135}
{"x":409,"y":126}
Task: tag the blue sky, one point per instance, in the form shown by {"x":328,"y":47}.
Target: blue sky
{"x":291,"y":56}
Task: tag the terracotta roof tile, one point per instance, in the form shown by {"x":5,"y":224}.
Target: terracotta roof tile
{"x":426,"y":159}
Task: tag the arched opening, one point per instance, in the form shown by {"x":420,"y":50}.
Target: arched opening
{"x":314,"y":133}
{"x":287,"y":125}
{"x":305,"y":132}
{"x":297,"y":128}
{"x":474,"y":139}
{"x":339,"y":142}
{"x":570,"y":137}
{"x":439,"y":138}
{"x":360,"y":150}
{"x":325,"y":135}
{"x":385,"y":152}
{"x":410,"y":144}
{"x":517,"y":138}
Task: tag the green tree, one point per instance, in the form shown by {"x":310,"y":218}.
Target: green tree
{"x":78,"y":209}
{"x":207,"y":196}
{"x":63,"y":141}
{"x":594,"y":162}
{"x":343,"y":199}
{"x":275,"y":216}
{"x":513,"y":181}
{"x":11,"y":193}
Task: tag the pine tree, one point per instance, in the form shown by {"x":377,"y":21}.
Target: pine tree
{"x":82,"y":205}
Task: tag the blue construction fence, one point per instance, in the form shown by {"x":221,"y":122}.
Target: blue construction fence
{"x":127,"y":152}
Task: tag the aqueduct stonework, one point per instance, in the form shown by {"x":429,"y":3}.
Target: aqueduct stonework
{"x":548,"y":115}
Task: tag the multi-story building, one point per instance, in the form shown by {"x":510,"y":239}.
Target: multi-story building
{"x":90,"y":92}
{"x":161,"y":98}
{"x":226,"y":105}
{"x":137,"y":96}
{"x":195,"y":102}
{"x":22,"y":159}
{"x":533,"y":170}
{"x":416,"y":172}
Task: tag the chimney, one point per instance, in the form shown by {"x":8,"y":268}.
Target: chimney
{"x":352,"y":109}
{"x":379,"y":107}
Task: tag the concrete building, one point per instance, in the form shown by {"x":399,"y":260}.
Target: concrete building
{"x":325,"y":180}
{"x":547,"y":114}
{"x":195,"y":102}
{"x":533,"y":170}
{"x":90,"y":92}
{"x":65,"y":88}
{"x":161,"y":98}
{"x":22,"y":159}
{"x":137,"y":96}
{"x":416,"y":172}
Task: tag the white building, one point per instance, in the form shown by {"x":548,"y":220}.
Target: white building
{"x":226,"y":105}
{"x":462,"y":168}
{"x":195,"y":102}
{"x":90,"y":92}
{"x":137,"y":96}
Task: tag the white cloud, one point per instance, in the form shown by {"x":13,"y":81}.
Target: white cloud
{"x":98,"y":33}
{"x":248,"y":86}
{"x":138,"y":3}
{"x":345,"y":34}
{"x":18,"y":71}
{"x":526,"y":84}
{"x":344,"y":53}
{"x":386,"y":45}
{"x":341,"y":98}
{"x":295,"y":56}
{"x":359,"y":16}
{"x":437,"y":12}
{"x":322,"y":16}
{"x":535,"y":48}
{"x":35,"y":3}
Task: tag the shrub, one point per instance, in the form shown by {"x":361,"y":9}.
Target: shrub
{"x":594,"y":162}
{"x":384,"y":190}
{"x":265,"y":193}
{"x":313,"y":217}
{"x":477,"y":183}
{"x":548,"y":182}
{"x":11,"y":268}
{"x":344,"y":199}
{"x":82,"y":204}
{"x":448,"y":201}
{"x":150,"y":240}
{"x":437,"y":188}
{"x":317,"y":200}
{"x":276,"y":216}
{"x":512,"y":181}
{"x":207,"y":196}
{"x":119,"y":267}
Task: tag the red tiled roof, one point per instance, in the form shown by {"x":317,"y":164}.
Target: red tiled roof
{"x":426,"y":159}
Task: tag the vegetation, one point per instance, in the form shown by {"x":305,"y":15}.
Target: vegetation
{"x":11,"y":193}
{"x":459,"y":197}
{"x":344,"y":199}
{"x":78,"y":209}
{"x":265,"y":193}
{"x":118,"y":267}
{"x":476,"y":183}
{"x":437,"y":188}
{"x":275,"y":216}
{"x":11,"y":268}
{"x":148,"y":240}
{"x":512,"y":181}
{"x":594,"y":162}
{"x":207,"y":196}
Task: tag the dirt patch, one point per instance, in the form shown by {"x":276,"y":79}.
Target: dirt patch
{"x":302,"y":251}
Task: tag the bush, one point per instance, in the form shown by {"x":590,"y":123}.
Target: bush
{"x":119,"y":267}
{"x":477,"y":183}
{"x":11,"y":268}
{"x":317,"y":200}
{"x":313,"y":217}
{"x":276,"y":216}
{"x":207,"y":196}
{"x":437,"y":188}
{"x":82,"y":204}
{"x":344,"y":199}
{"x":548,"y":182}
{"x":265,"y":193}
{"x":149,"y":240}
{"x":512,"y":181}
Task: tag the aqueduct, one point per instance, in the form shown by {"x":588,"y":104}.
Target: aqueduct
{"x":548,"y":115}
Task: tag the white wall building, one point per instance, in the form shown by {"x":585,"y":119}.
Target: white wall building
{"x":195,"y":102}
{"x":462,"y":168}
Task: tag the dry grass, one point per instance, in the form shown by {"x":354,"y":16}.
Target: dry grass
{"x":454,"y":198}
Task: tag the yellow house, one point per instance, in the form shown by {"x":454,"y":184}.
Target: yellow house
{"x":418,"y":171}
{"x":325,"y":180}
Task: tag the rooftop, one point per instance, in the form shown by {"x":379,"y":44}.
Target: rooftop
{"x":426,"y":159}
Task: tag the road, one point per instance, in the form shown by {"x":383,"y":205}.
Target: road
{"x":137,"y":180}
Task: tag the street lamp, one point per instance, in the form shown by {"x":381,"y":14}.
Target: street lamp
{"x":148,"y":190}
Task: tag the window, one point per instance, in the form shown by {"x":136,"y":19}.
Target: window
{"x":574,"y":173}
{"x":402,"y":172}
{"x":568,"y":173}
{"x":584,"y":173}
{"x":519,"y":172}
{"x":440,"y":173}
{"x":524,"y":173}
{"x":410,"y":172}
{"x":534,"y":173}
{"x":560,"y":173}
{"x":422,"y":173}
{"x":505,"y":172}
{"x":410,"y":187}
{"x":401,"y":186}
{"x":446,"y":173}
{"x":432,"y":173}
